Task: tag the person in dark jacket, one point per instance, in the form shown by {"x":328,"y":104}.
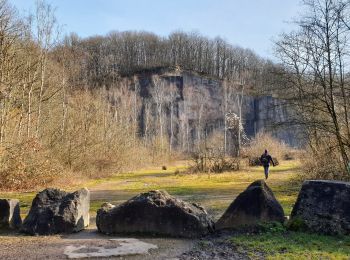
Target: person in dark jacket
{"x":265,"y":160}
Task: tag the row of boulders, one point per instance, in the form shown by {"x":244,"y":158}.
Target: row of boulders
{"x":322,"y":206}
{"x":156,"y":212}
{"x":53,"y":211}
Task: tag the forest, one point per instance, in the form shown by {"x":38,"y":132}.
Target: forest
{"x":72,"y":104}
{"x":58,"y":113}
{"x":142,"y":145}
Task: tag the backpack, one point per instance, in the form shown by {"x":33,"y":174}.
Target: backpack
{"x":264,"y":159}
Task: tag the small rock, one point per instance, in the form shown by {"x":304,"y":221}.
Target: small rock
{"x":155,"y":212}
{"x":256,"y":204}
{"x":54,"y":211}
{"x":10,"y":214}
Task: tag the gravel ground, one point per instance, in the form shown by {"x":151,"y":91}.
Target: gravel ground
{"x":214,"y":247}
{"x":18,"y":246}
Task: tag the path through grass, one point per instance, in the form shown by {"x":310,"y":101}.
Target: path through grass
{"x":214,"y":191}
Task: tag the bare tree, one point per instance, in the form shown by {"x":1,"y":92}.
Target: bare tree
{"x":315,"y":72}
{"x":46,"y":36}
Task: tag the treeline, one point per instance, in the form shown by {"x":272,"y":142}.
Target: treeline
{"x":49,"y":126}
{"x":67,"y":107}
{"x":102,"y":60}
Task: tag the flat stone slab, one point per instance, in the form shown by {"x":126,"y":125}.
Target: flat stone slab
{"x":10,"y":214}
{"x":121,"y":247}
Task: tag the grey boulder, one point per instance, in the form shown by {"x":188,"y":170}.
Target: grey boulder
{"x":154,"y":213}
{"x":256,"y":204}
{"x":10,"y":214}
{"x":323,"y":207}
{"x":55,"y":211}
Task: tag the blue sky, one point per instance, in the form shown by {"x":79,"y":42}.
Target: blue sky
{"x":247,"y":23}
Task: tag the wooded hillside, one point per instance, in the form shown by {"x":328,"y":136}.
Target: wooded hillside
{"x":72,"y":104}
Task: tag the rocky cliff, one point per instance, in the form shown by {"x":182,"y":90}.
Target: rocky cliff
{"x":191,"y":107}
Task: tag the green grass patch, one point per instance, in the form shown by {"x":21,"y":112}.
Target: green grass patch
{"x":275,"y":242}
{"x":214,"y":191}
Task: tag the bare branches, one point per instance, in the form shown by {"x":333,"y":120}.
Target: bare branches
{"x":316,"y":61}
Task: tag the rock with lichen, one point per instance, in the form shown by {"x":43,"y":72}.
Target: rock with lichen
{"x":154,"y":213}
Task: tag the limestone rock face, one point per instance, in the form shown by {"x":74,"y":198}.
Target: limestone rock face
{"x":10,"y":214}
{"x":155,"y":213}
{"x":256,"y":204}
{"x":323,"y":207}
{"x":54,"y":211}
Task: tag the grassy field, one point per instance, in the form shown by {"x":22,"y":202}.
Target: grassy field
{"x":275,"y":242}
{"x":215,"y":192}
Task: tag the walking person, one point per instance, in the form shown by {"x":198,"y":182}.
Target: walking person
{"x":265,"y":160}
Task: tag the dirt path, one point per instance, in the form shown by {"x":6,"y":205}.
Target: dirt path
{"x":214,"y":192}
{"x":18,"y":246}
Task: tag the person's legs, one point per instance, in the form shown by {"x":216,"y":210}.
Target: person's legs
{"x":266,"y":170}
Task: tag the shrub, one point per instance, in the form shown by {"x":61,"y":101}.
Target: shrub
{"x":323,"y":163}
{"x":271,"y":227}
{"x":263,"y":141}
{"x":27,"y":166}
{"x":296,"y":224}
{"x":214,"y":163}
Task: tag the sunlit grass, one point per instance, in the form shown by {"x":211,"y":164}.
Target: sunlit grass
{"x":278,"y":243}
{"x":214,"y":191}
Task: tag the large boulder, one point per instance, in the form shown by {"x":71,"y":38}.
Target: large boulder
{"x":55,"y":211}
{"x":323,"y":207}
{"x":10,"y":214}
{"x":154,"y":212}
{"x":256,"y":204}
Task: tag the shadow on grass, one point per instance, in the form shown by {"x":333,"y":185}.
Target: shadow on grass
{"x":293,"y":245}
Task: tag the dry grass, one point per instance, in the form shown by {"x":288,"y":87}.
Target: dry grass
{"x":276,"y":148}
{"x":323,"y":164}
{"x":214,"y":191}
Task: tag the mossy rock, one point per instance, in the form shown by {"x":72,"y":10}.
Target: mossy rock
{"x":296,"y":224}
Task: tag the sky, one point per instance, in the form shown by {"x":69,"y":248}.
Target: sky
{"x":250,"y":24}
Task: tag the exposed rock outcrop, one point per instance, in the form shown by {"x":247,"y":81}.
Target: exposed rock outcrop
{"x":323,"y":207}
{"x":154,"y":212}
{"x":256,"y":204}
{"x":194,"y":96}
{"x":10,"y":214}
{"x":54,"y":211}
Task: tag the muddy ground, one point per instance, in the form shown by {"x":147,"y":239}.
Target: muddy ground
{"x":18,"y":246}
